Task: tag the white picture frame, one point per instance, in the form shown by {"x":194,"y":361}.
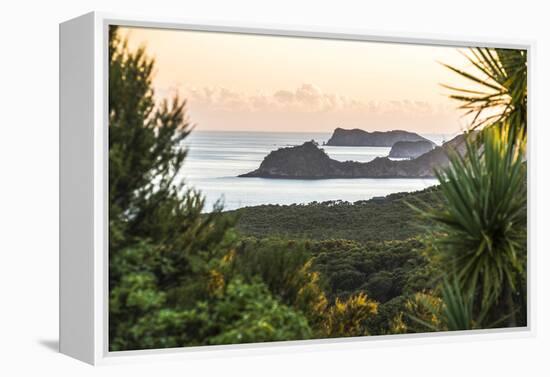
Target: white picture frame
{"x":84,"y":189}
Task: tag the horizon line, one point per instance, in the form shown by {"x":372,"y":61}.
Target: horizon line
{"x":324,"y":132}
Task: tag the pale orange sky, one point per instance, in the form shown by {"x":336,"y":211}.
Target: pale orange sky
{"x":272,"y":83}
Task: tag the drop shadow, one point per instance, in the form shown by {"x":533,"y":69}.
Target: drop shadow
{"x":52,"y":345}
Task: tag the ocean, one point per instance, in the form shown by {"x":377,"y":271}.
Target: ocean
{"x":216,"y":158}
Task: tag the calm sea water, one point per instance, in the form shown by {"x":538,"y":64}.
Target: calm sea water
{"x":215,"y":160}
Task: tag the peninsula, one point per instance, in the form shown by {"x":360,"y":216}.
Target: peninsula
{"x":309,"y":161}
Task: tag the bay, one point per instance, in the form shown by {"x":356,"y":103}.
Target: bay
{"x":216,"y":158}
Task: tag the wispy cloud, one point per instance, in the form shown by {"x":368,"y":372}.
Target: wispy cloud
{"x":308,"y":102}
{"x":305,"y":98}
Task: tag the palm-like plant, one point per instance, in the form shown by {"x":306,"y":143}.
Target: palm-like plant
{"x":481,"y":231}
{"x":458,"y":308}
{"x":500,"y":78}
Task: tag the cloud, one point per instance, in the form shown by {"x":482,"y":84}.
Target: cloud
{"x":309,"y":96}
{"x":308,"y":107}
{"x":306,"y":98}
{"x":284,"y":96}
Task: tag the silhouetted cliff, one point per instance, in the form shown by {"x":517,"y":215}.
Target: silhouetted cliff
{"x":360,"y":138}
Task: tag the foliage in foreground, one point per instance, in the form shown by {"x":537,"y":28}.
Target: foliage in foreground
{"x":163,"y":250}
{"x":240,"y":313}
{"x":480,"y":235}
{"x":451,"y":311}
{"x":499,"y":92}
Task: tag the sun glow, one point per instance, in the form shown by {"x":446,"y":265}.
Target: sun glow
{"x":273,"y":83}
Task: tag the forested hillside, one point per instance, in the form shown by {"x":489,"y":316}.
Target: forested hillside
{"x":378,"y":219}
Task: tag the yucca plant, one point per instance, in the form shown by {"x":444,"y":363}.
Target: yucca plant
{"x":499,"y":94}
{"x":458,"y":308}
{"x":480,"y":233}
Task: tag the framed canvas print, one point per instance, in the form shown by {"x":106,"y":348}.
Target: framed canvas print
{"x":226,"y":188}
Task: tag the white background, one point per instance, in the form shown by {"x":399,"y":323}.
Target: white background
{"x":29,"y":185}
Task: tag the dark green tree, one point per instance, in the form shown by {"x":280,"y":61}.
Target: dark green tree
{"x":165,"y":253}
{"x":159,"y":237}
{"x":147,"y":198}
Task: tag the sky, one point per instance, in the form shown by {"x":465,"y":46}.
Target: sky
{"x":248,"y":82}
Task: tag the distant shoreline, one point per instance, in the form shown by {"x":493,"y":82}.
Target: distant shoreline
{"x":432,"y":136}
{"x":328,"y":203}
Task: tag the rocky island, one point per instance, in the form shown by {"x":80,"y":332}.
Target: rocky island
{"x":360,"y":138}
{"x":308,"y":161}
{"x":410,"y":149}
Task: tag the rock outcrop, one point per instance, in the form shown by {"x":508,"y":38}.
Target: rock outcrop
{"x":308,"y":161}
{"x":410,"y":149}
{"x":303,"y":161}
{"x":360,"y":138}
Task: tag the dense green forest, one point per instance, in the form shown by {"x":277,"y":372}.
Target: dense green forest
{"x":447,"y":258}
{"x":389,"y":218}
